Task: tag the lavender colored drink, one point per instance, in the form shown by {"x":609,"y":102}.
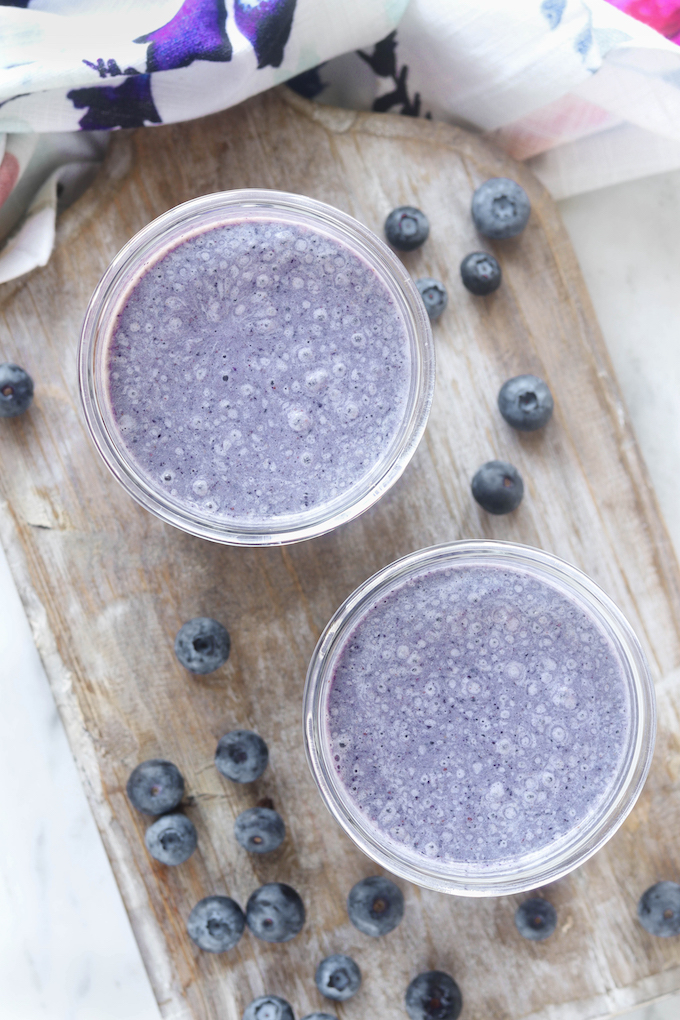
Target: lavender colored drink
{"x":477,"y":714}
{"x":258,"y":370}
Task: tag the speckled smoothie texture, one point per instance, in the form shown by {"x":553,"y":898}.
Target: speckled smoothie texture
{"x":476,"y":714}
{"x":258,"y":370}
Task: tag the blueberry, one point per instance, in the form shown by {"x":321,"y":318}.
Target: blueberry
{"x":259,"y":830}
{"x":268,"y":1007}
{"x":525,"y":402}
{"x":433,"y":996}
{"x":500,"y":208}
{"x":171,"y":839}
{"x":407,"y":228}
{"x":480,"y":273}
{"x":155,"y":786}
{"x":16,"y":390}
{"x":375,"y":905}
{"x":338,"y":977}
{"x":536,"y":919}
{"x":659,"y":909}
{"x":216,"y":924}
{"x":202,"y":645}
{"x":434,"y":296}
{"x":319,"y":1016}
{"x":241,"y":756}
{"x":498,"y":487}
{"x":275,"y":912}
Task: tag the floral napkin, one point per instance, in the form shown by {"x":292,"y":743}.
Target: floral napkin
{"x":582,"y":89}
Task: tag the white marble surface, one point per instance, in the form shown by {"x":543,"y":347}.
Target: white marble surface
{"x":66,"y":948}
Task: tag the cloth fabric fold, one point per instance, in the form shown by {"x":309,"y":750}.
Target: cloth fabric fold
{"x":585,"y":92}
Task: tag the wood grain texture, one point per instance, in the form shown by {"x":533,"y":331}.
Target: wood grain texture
{"x":107,"y":586}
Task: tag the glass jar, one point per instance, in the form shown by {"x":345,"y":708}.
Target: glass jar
{"x":479,"y":717}
{"x":307,"y":371}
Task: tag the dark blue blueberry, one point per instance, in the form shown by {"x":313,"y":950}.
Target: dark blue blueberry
{"x":338,"y":977}
{"x":433,"y":996}
{"x":375,"y":905}
{"x":498,"y":487}
{"x":407,"y":228}
{"x":171,"y":839}
{"x":275,"y":912}
{"x":16,"y":390}
{"x":216,"y":924}
{"x":241,"y":756}
{"x":259,"y":830}
{"x":155,"y":786}
{"x":525,"y":402}
{"x":659,"y":909}
{"x":434,"y":296}
{"x":268,"y":1007}
{"x":536,"y":919}
{"x":319,"y":1016}
{"x":500,"y":208}
{"x":480,"y":273}
{"x":202,"y":645}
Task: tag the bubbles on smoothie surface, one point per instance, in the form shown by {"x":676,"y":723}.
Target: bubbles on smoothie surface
{"x":258,"y":369}
{"x":476,"y":714}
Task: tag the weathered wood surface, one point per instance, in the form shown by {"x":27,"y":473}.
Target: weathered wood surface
{"x":107,"y":586}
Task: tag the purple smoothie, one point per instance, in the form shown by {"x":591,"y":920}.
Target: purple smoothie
{"x":258,"y":369}
{"x":477,"y":714}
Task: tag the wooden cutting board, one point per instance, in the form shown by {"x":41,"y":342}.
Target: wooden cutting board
{"x":106,"y":586}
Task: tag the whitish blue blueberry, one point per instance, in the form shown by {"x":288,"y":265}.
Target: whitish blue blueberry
{"x":659,"y":909}
{"x":338,"y":977}
{"x":498,"y":487}
{"x":375,"y":905}
{"x":216,"y":924}
{"x":268,"y":1007}
{"x":480,"y":273}
{"x":275,"y":912}
{"x":259,"y":830}
{"x":16,"y":390}
{"x":241,"y":756}
{"x":434,"y":296}
{"x":500,"y":208}
{"x":406,"y":228}
{"x":171,"y":839}
{"x":202,"y":645}
{"x":155,"y":786}
{"x":536,"y":919}
{"x":433,"y":996}
{"x":525,"y":402}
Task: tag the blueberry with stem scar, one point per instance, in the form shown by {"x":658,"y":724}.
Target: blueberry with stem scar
{"x":338,"y":977}
{"x":498,"y":487}
{"x":16,"y":390}
{"x":480,"y":273}
{"x":525,"y":402}
{"x":434,"y":296}
{"x":216,"y":924}
{"x":202,"y":645}
{"x":259,"y":830}
{"x":375,"y":905}
{"x":659,"y":909}
{"x":155,"y":786}
{"x":268,"y":1007}
{"x":171,"y":839}
{"x":406,"y":228}
{"x":536,"y":919}
{"x":275,"y":912}
{"x":433,"y":995}
{"x":241,"y":756}
{"x":500,"y":208}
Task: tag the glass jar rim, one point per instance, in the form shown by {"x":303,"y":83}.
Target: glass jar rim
{"x":513,"y":874}
{"x":147,"y":247}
